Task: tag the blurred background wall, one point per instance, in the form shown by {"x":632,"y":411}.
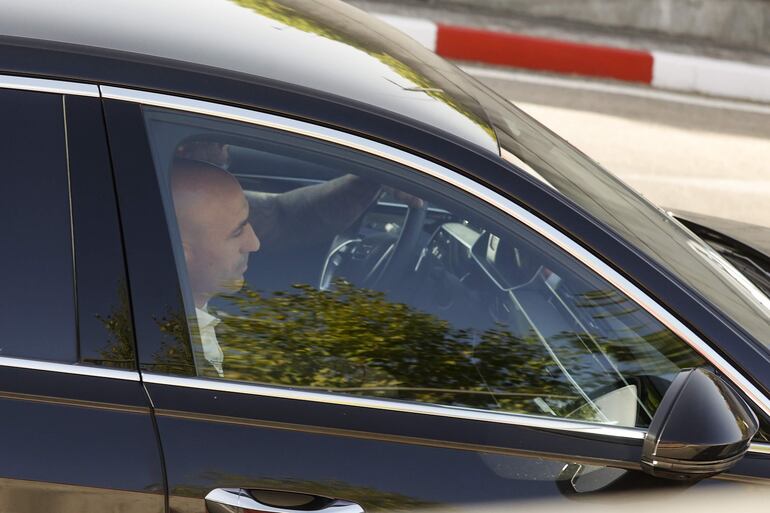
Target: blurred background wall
{"x":695,"y":138}
{"x":737,"y":24}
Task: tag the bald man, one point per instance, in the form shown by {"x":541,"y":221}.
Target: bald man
{"x":220,"y":226}
{"x":217,"y":237}
{"x":213,"y":217}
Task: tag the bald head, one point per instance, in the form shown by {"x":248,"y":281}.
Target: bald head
{"x":197,"y":189}
{"x":213,"y":218}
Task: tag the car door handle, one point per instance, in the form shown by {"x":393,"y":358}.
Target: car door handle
{"x":239,"y":500}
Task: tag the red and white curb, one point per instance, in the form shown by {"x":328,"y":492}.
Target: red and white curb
{"x":714,"y":77}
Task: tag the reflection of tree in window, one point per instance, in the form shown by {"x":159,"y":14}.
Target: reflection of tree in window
{"x":118,"y":351}
{"x":174,"y":356}
{"x":354,"y":340}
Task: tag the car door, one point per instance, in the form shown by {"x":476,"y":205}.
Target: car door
{"x":386,"y":332}
{"x":77,"y":429}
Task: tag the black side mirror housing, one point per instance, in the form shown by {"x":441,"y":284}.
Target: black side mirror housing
{"x":701,"y":428}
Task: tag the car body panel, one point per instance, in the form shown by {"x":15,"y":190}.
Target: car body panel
{"x":745,"y":246}
{"x":378,"y":459}
{"x":330,"y":46}
{"x":77,"y":437}
{"x":189,"y":440}
{"x":749,"y":235}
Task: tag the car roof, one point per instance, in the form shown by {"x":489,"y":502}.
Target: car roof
{"x":324,"y":45}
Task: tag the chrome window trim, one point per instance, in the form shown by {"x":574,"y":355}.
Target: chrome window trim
{"x":455,"y":412}
{"x":469,"y":186}
{"x":44,"y":85}
{"x":759,"y":448}
{"x":69,"y":368}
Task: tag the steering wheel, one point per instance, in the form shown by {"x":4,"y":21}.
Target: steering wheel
{"x":371,"y":260}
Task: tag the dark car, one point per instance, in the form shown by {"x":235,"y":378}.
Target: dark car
{"x":273,"y":255}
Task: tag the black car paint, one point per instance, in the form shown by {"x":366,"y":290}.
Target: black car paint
{"x":743,"y":237}
{"x":365,"y":454}
{"x":328,"y":45}
{"x":380,"y":459}
{"x":24,"y":268}
{"x":698,"y":397}
{"x":377,"y":474}
{"x":746,"y":246}
{"x":59,"y":422}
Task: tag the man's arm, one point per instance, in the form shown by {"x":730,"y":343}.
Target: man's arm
{"x":309,"y":214}
{"x":302,"y":216}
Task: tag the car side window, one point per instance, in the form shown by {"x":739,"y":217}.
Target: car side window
{"x":36,"y":264}
{"x":314,"y":266}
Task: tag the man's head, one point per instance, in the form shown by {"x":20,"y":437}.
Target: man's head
{"x":212,"y":213}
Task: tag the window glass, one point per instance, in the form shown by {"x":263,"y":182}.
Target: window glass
{"x":105,"y":325}
{"x":648,"y":228}
{"x":314,"y":266}
{"x":38,"y":311}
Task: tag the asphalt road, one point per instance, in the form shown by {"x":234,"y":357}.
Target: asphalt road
{"x":683,"y":152}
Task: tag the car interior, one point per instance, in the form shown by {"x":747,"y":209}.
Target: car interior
{"x":499,"y":319}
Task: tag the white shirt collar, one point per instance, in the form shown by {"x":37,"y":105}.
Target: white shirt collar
{"x":205,"y":318}
{"x":211,"y":350}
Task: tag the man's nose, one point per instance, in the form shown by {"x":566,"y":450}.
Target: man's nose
{"x":252,"y":241}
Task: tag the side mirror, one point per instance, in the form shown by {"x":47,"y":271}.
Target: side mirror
{"x":701,"y":428}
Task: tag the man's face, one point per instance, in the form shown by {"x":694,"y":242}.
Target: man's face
{"x":217,"y":240}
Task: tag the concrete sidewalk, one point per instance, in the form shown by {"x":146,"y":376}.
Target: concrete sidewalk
{"x":566,"y":49}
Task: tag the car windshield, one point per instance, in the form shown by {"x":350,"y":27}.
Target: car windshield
{"x":535,"y":149}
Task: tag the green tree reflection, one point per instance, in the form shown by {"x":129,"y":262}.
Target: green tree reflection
{"x":353,"y":340}
{"x":356,"y":341}
{"x":175,"y":353}
{"x":118,"y":348}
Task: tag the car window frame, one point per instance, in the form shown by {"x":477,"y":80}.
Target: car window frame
{"x":89,"y":190}
{"x":75,"y":90}
{"x":168,"y":129}
{"x":126,"y":96}
{"x":38,"y":153}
